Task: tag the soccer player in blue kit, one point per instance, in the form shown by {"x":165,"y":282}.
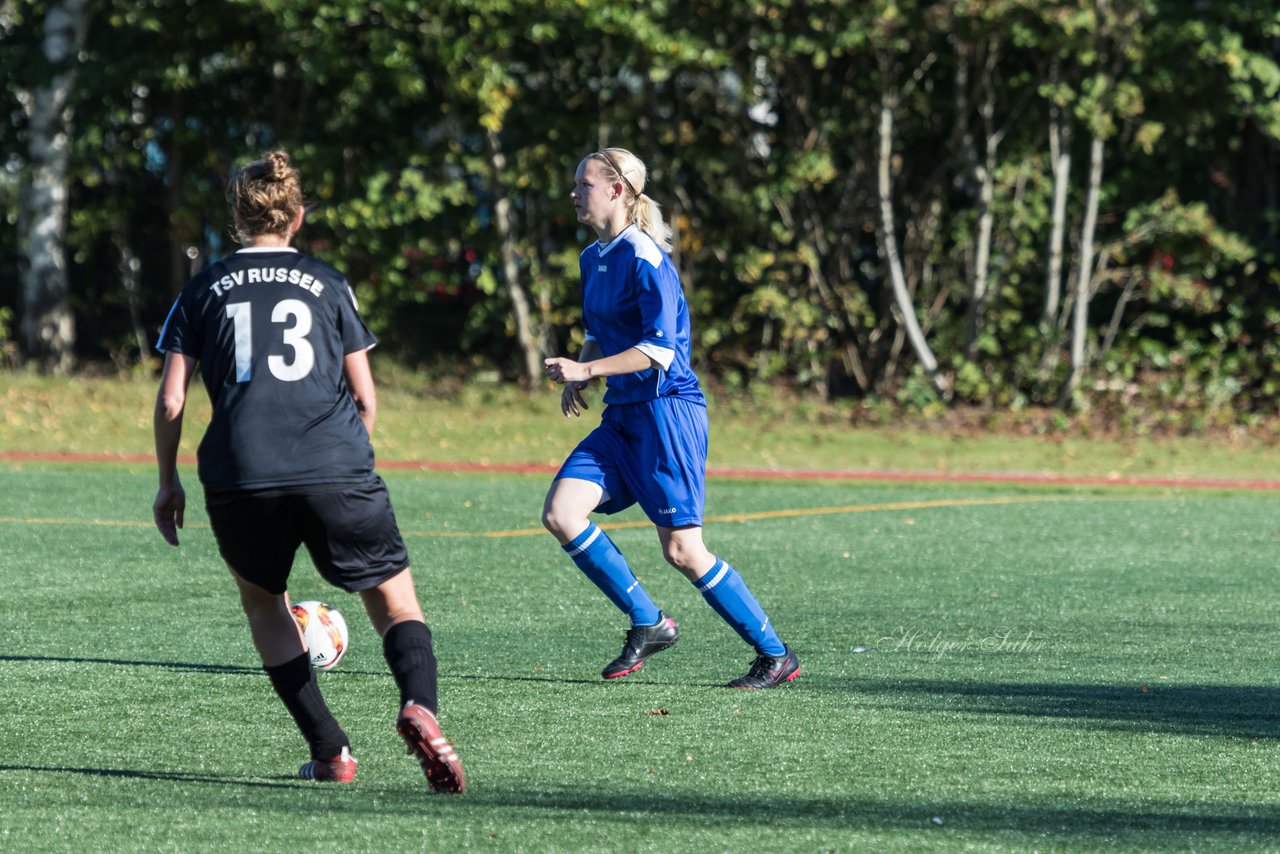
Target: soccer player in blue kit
{"x":651,"y":445}
{"x":286,"y":461}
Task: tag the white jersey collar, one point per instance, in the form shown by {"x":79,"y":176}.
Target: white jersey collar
{"x":604,"y":248}
{"x":261,"y":249}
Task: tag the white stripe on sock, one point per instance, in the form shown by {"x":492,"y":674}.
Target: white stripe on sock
{"x":716,"y":579}
{"x":596,"y":532}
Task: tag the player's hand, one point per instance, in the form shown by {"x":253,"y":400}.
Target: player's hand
{"x":571,"y":399}
{"x":167,"y":511}
{"x":564,"y":370}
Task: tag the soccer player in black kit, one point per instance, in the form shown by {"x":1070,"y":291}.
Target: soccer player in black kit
{"x":287,"y":461}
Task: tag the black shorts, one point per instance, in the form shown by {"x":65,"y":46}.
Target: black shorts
{"x":349,"y":530}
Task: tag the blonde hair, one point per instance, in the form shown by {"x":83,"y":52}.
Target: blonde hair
{"x":264,"y":196}
{"x":618,"y":164}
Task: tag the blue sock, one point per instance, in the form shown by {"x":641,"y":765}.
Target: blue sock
{"x":599,"y":559}
{"x":727,"y":593}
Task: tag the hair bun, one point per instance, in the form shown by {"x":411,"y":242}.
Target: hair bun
{"x":265,"y":196}
{"x":278,"y":166}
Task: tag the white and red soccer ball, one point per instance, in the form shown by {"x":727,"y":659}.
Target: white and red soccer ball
{"x":324,"y":630}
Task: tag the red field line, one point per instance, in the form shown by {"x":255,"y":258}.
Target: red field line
{"x":745,"y":473}
{"x":65,"y":457}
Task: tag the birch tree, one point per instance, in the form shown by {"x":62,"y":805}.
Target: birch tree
{"x":1105,"y":106}
{"x":1060,"y":166}
{"x":891,"y":97}
{"x":47,"y":326}
{"x":516,"y":291}
{"x":1084,"y":276}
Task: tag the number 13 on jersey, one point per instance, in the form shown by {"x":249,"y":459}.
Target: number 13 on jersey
{"x":294,"y":336}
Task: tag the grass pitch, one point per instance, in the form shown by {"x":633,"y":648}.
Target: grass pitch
{"x":417,"y":420}
{"x":984,"y":667}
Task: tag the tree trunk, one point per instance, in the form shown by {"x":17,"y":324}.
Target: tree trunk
{"x":1051,"y":325}
{"x":47,"y":326}
{"x":1060,"y":161}
{"x":510,"y":268}
{"x":129,"y":267}
{"x":889,"y":248}
{"x":1084,"y":279}
{"x":979,"y":292}
{"x":982,"y":173}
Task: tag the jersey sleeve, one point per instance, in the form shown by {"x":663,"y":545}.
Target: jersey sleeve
{"x":658,"y":296}
{"x":355,"y":334}
{"x":179,"y":334}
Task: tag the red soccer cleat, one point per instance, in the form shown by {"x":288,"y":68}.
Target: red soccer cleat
{"x":339,"y":769}
{"x":422,"y":735}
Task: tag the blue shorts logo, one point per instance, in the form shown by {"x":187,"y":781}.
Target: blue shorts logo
{"x":666,"y":511}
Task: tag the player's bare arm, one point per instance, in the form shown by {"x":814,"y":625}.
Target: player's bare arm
{"x":171,"y":501}
{"x":630,"y":361}
{"x":355,"y":367}
{"x":575,"y":375}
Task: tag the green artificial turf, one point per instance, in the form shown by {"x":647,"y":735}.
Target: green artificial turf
{"x":983,"y":668}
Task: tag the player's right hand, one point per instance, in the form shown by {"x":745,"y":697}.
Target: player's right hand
{"x":571,"y":399}
{"x":168,"y":510}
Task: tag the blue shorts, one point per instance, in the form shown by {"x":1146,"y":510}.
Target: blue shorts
{"x":652,"y":453}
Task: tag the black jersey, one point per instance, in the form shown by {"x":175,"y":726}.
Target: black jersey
{"x":270,"y":327}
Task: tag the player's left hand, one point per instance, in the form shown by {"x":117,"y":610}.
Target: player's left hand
{"x":571,"y":400}
{"x":168,"y":510}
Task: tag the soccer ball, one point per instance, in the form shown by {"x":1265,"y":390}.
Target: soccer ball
{"x":323,"y":630}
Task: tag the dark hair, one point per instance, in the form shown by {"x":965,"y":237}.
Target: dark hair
{"x":264,"y":196}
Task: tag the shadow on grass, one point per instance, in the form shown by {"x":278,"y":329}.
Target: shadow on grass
{"x":121,"y":662}
{"x":1240,"y":711}
{"x":774,"y":812}
{"x":597,"y":682}
{"x":246,"y":670}
{"x":165,"y":776}
{"x":550,"y":680}
{"x":1092,"y":820}
{"x":1143,"y":823}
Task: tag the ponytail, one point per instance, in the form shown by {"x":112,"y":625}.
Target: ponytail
{"x":647,"y":216}
{"x":621,"y":165}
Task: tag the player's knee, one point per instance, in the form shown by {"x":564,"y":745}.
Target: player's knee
{"x":679,"y":555}
{"x":265,"y":614}
{"x":687,"y":554}
{"x":259,"y":603}
{"x":559,"y":522}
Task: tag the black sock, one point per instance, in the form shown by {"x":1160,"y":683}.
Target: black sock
{"x":295,"y":682}
{"x":407,"y":647}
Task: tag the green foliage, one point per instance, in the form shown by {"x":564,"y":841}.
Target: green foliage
{"x":759,"y":122}
{"x":8,"y":347}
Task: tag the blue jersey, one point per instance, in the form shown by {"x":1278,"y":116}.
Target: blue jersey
{"x":631,"y":297}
